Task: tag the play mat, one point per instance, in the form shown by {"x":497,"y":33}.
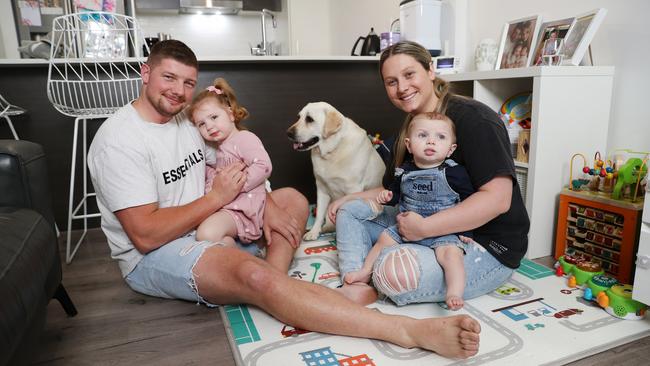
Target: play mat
{"x":532,"y":319}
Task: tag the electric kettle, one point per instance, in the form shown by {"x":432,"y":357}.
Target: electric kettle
{"x":370,"y":45}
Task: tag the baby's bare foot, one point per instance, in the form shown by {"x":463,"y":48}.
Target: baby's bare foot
{"x":361,"y":293}
{"x":357,"y":276}
{"x":454,"y":302}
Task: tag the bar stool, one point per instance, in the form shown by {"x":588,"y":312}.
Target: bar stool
{"x":94,"y":70}
{"x":7,"y":110}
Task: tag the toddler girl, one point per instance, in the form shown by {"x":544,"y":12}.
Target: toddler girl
{"x":217,"y":114}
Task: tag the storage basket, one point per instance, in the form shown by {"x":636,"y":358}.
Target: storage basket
{"x":522,"y":180}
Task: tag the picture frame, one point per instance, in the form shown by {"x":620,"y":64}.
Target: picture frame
{"x":581,"y":34}
{"x":556,"y":28}
{"x":517,"y":40}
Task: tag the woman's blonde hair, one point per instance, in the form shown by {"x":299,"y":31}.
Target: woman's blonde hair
{"x":440,"y":88}
{"x":223,"y":93}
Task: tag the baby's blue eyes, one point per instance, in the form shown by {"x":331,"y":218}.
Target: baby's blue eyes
{"x":425,"y":135}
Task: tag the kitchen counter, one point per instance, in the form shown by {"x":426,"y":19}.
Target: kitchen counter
{"x":219,"y":59}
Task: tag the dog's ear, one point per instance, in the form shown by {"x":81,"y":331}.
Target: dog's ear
{"x":333,"y":123}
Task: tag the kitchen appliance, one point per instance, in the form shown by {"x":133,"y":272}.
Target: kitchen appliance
{"x":420,"y":22}
{"x":388,"y":39}
{"x":446,"y":64}
{"x":224,"y":7}
{"x":370,"y":45}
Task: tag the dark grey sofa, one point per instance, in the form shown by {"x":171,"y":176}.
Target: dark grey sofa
{"x":30,"y":267}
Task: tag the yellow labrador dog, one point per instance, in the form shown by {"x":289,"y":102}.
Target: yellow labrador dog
{"x":342,"y":155}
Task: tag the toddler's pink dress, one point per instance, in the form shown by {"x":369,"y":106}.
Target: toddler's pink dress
{"x":247,"y":209}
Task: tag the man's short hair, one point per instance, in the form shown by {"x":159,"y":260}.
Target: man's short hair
{"x":174,"y":49}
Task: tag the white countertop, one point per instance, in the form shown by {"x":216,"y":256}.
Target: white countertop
{"x":34,"y":61}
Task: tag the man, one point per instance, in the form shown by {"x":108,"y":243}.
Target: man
{"x":147,"y":163}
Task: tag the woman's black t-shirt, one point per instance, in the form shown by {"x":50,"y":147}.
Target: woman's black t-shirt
{"x":484,"y":150}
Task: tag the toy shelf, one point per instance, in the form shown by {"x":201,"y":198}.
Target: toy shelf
{"x":601,"y":229}
{"x":570,"y":113}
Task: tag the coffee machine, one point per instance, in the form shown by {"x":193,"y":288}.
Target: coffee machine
{"x":420,"y":22}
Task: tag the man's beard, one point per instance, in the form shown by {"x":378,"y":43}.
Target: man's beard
{"x":163,"y":108}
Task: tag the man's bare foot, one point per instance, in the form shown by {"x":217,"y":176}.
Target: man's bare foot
{"x":454,"y":302}
{"x":454,"y":337}
{"x":357,"y":276}
{"x":361,"y":293}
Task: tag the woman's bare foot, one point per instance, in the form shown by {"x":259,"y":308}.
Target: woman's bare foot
{"x":361,"y":293}
{"x":454,"y":337}
{"x":454,"y":302}
{"x":357,"y":276}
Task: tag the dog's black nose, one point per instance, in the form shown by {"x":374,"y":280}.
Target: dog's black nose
{"x":291,"y":134}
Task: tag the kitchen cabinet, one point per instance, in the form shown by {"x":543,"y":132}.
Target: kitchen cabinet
{"x":157,"y":4}
{"x":570,"y":114}
{"x":258,"y":5}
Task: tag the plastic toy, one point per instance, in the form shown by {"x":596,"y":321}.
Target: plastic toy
{"x":611,"y":177}
{"x":615,"y":298}
{"x":567,"y":262}
{"x":601,"y":169}
{"x":376,"y":140}
{"x":578,"y":269}
{"x":630,"y":173}
{"x":585,"y":270}
{"x":572,"y":282}
{"x":516,"y":109}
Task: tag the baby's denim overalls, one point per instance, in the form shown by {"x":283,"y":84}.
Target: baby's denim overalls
{"x":426,"y":192}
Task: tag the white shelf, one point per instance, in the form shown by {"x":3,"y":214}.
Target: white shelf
{"x":535,"y":71}
{"x":570,"y":114}
{"x":519,"y":164}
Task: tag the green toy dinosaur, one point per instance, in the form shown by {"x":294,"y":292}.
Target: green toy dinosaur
{"x":629,"y":174}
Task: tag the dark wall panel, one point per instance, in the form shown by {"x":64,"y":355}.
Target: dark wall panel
{"x":273,"y":92}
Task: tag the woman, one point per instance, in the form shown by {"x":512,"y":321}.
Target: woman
{"x":495,"y":213}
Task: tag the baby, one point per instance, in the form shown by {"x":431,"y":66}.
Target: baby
{"x":428,"y":183}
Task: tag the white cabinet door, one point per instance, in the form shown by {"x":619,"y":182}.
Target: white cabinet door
{"x":642,"y":276}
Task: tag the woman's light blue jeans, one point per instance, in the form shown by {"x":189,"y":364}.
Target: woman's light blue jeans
{"x":358,"y":227}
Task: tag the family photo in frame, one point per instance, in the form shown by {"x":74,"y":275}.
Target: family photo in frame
{"x":580,"y":35}
{"x":550,"y":39}
{"x":517,"y":41}
{"x":529,"y":42}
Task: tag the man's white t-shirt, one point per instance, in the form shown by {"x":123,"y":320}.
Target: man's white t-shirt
{"x":134,"y":162}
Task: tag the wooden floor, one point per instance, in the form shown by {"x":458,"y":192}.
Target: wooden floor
{"x":116,"y":326}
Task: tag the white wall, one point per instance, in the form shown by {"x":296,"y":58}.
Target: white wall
{"x":622,"y":41}
{"x":217,"y":35}
{"x":351,"y":19}
{"x":310,"y":29}
{"x":8,"y":38}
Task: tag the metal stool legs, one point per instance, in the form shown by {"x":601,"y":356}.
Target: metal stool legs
{"x":72,"y":213}
{"x":11,"y":127}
